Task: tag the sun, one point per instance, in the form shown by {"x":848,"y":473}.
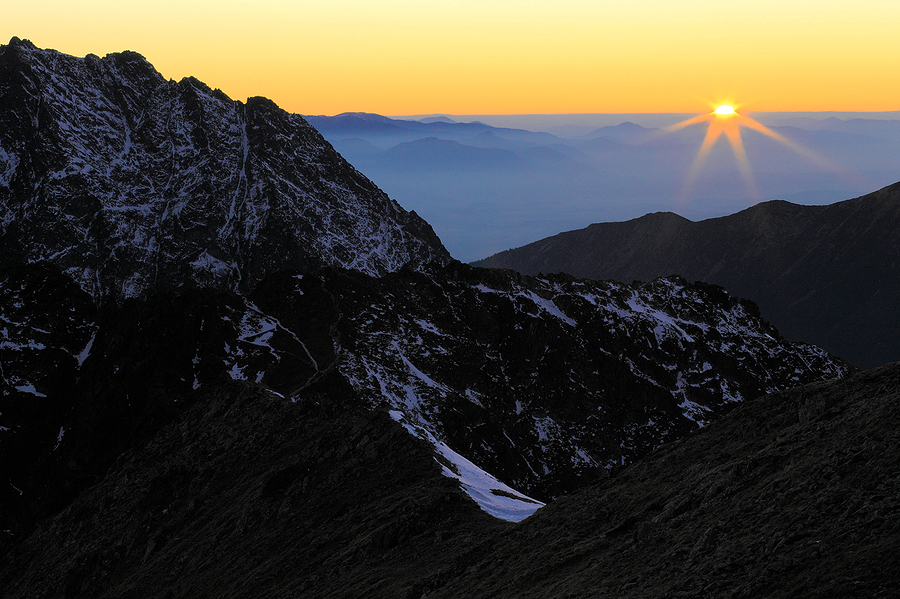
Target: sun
{"x":725,"y":121}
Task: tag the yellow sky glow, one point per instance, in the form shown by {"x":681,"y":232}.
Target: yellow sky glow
{"x":498,"y":57}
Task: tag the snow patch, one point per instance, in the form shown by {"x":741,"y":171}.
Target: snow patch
{"x":428,"y":326}
{"x":29,"y":388}
{"x":494,"y":497}
{"x":208,"y":262}
{"x":418,"y":374}
{"x":8,"y":165}
{"x":550,"y":307}
{"x":485,"y":289}
{"x":195,"y":362}
{"x":81,"y":357}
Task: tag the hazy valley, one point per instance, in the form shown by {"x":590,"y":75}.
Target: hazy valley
{"x":522,"y":185}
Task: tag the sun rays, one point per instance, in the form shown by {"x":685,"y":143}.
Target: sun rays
{"x":725,"y":120}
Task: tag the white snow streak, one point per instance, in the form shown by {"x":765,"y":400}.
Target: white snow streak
{"x":494,"y":497}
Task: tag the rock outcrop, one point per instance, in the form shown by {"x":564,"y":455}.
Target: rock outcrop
{"x":131,"y":183}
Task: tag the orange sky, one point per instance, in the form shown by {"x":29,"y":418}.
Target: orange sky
{"x":499,"y":57}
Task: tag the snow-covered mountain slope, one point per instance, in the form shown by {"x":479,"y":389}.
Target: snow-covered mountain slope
{"x":526,"y":387}
{"x":547,"y":382}
{"x":129,"y":182}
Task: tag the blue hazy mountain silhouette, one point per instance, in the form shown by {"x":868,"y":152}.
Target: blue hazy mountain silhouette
{"x":551,"y":183}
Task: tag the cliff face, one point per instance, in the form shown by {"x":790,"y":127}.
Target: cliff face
{"x":131,"y":183}
{"x":548,"y":382}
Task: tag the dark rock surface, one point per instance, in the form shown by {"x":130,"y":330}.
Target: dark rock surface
{"x":826,"y":275}
{"x":81,"y":385}
{"x":245,"y":495}
{"x":547,"y":383}
{"x":130,"y":183}
{"x":47,"y":328}
{"x":796,"y":494}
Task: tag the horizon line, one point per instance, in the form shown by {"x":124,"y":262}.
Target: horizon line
{"x":520,"y":114}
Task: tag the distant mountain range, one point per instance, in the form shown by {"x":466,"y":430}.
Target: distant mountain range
{"x":823,"y":274}
{"x":495,"y":188}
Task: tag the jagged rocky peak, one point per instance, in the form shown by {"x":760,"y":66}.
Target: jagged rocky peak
{"x":130,"y":183}
{"x":544,"y":382}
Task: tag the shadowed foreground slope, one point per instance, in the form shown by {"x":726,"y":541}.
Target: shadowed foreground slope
{"x":796,"y":494}
{"x":245,"y":495}
{"x":248,"y":495}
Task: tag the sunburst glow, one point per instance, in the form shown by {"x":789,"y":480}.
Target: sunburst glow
{"x":731,"y":128}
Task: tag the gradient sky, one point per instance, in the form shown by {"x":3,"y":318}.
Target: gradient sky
{"x":498,"y":57}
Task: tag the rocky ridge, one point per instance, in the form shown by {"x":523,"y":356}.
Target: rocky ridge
{"x":545,"y":384}
{"x":244,"y":494}
{"x":796,"y":494}
{"x":130,"y":183}
{"x":823,"y":274}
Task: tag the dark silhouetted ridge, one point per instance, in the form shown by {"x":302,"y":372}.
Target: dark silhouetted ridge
{"x":823,"y":274}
